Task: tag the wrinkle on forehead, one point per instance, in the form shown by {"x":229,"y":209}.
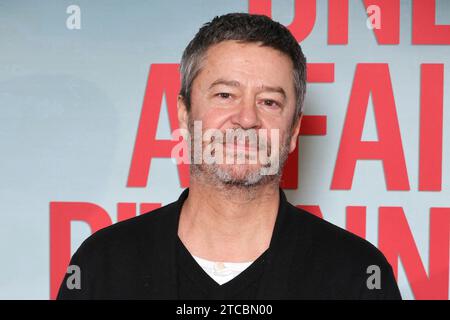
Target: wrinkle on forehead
{"x":256,"y":72}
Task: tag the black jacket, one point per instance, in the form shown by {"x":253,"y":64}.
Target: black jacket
{"x":309,"y":258}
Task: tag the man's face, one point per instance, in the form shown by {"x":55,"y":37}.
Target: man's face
{"x":246,"y":87}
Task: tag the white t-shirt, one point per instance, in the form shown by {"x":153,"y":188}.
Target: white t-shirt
{"x":222,"y":272}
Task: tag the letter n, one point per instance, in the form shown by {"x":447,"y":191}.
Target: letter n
{"x":396,"y":241}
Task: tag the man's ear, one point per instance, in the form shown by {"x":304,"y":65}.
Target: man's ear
{"x":182,"y":113}
{"x":295,"y":133}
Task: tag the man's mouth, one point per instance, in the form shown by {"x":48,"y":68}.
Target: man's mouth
{"x":239,"y":147}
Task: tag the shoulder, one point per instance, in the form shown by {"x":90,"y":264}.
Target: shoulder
{"x":341,"y":264}
{"x":329,"y":242}
{"x":121,"y":254}
{"x":128,"y":235}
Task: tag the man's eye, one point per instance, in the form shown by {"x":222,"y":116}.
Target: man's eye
{"x":224,"y":95}
{"x":271,"y":103}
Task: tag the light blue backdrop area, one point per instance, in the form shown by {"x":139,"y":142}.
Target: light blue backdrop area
{"x":70,"y":102}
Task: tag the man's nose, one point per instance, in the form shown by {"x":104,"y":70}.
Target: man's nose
{"x":247,"y":116}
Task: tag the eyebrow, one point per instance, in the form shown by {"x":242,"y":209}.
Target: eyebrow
{"x":234,"y":83}
{"x":231,"y":83}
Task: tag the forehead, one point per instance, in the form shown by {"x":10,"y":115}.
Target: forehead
{"x":248,"y":63}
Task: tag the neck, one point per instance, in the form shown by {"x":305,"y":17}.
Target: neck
{"x":231,"y":224}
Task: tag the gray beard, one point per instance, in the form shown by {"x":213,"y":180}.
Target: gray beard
{"x":223,"y":178}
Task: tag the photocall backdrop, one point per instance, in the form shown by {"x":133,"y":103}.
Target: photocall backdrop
{"x":88,"y":103}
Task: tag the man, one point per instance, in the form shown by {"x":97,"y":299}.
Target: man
{"x":232,"y":234}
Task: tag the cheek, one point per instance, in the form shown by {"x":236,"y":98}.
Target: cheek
{"x":201,"y":110}
{"x":215,"y":118}
{"x":285,"y":139}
